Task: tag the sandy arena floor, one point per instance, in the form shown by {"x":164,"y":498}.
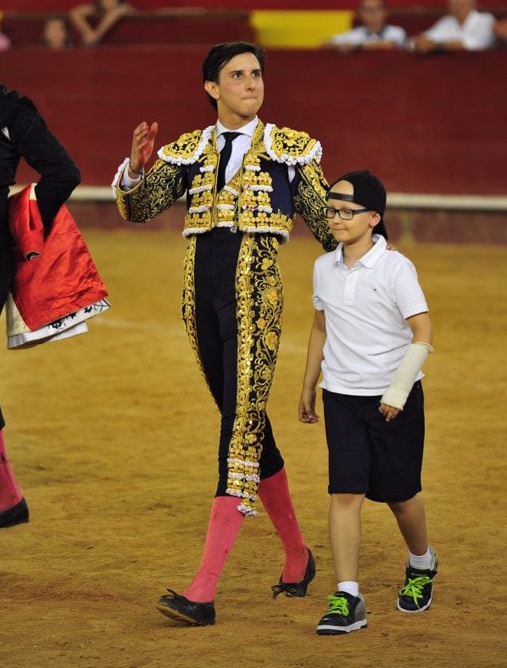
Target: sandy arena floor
{"x":112,"y":436}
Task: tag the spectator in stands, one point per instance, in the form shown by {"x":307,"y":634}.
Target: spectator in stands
{"x":55,"y":35}
{"x":374,"y":33}
{"x":93,"y":21}
{"x":462,"y":29}
{"x":501,"y":32}
{"x":5,"y":42}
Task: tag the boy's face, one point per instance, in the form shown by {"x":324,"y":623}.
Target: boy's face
{"x":239,"y":91}
{"x":360,"y":226}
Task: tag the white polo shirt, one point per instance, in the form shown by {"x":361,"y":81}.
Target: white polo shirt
{"x":366,"y":309}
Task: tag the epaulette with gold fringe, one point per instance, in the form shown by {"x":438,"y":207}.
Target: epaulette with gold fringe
{"x":188,"y":148}
{"x":291,"y":147}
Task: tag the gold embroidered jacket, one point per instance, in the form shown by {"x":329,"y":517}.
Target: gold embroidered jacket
{"x":259,"y":198}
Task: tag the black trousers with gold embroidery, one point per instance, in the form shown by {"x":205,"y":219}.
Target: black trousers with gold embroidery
{"x":232,"y":306}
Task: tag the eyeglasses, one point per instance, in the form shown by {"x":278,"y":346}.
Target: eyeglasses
{"x":344,"y":214}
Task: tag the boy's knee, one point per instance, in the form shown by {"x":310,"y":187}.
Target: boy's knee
{"x":399,"y":507}
{"x":347,"y":500}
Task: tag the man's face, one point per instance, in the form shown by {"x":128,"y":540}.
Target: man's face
{"x":239,"y":91}
{"x":373,"y":14}
{"x":460,"y":9}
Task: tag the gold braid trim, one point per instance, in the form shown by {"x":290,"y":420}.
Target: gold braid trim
{"x":309,"y":201}
{"x":290,"y":146}
{"x":259,"y":309}
{"x":155,"y":192}
{"x":187,"y":148}
{"x":188,"y":300}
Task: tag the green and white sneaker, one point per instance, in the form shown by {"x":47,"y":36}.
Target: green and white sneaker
{"x":417,"y":592}
{"x":345,"y":613}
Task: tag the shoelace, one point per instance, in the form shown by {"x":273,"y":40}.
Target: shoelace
{"x":338,"y":605}
{"x":284,"y":588}
{"x":415,"y":586}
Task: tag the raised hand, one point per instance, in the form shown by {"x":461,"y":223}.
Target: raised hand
{"x":143,"y":140}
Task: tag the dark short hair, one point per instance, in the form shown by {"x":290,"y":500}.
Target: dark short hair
{"x":220,"y":54}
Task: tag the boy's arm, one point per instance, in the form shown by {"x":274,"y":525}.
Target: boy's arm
{"x":420,"y":326}
{"x":395,"y":396}
{"x":314,"y":357}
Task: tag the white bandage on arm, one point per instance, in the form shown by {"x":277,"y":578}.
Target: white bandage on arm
{"x":404,"y":378}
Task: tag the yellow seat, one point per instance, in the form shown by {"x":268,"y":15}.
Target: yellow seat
{"x":299,"y":29}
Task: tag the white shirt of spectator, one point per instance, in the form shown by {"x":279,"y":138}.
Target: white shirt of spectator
{"x":476,"y":33}
{"x":361,"y":35}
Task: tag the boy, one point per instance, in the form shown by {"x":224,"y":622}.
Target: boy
{"x":371,"y":335}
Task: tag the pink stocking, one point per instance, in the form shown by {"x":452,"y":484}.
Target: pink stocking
{"x":223,"y":529}
{"x":275,"y":496}
{"x":10,"y":493}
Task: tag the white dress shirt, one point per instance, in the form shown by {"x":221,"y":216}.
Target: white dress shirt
{"x":239,"y":147}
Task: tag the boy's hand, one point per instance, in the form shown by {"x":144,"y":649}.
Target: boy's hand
{"x":306,"y":408}
{"x":389,"y":412}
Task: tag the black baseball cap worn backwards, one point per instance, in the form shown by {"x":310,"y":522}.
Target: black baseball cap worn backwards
{"x":368,"y":192}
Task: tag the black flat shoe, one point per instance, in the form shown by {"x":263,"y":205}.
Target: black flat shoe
{"x":18,"y":514}
{"x":178,"y":607}
{"x":297,"y":589}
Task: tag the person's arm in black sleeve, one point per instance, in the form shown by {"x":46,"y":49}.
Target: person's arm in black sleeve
{"x":43,"y":152}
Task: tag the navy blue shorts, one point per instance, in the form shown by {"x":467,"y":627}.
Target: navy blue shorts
{"x":368,"y":455}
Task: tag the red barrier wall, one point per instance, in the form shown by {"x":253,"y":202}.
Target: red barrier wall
{"x":150,"y":27}
{"x":190,"y":25}
{"x":433,"y":124}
